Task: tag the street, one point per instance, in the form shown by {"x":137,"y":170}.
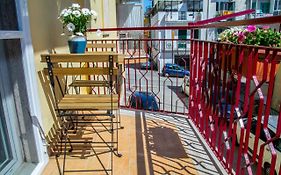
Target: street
{"x":167,"y":90}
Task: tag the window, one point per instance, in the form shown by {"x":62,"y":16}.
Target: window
{"x":182,"y":15}
{"x":277,"y":5}
{"x":10,"y":156}
{"x":182,"y":35}
{"x":167,"y":5}
{"x":225,"y":6}
{"x":265,"y":6}
{"x":176,"y":68}
{"x":6,"y":151}
{"x":253,"y":5}
{"x":195,"y":6}
{"x":8,"y":15}
{"x":10,"y":143}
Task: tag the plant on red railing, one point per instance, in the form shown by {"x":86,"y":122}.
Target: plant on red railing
{"x":252,"y":35}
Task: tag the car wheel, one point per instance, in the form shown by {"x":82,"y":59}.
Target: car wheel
{"x":167,"y":74}
{"x":266,"y":169}
{"x":236,"y":141}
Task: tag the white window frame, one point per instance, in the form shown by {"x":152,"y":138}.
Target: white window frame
{"x":24,"y":35}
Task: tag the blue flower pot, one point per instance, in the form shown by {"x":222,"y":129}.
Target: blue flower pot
{"x":77,"y":44}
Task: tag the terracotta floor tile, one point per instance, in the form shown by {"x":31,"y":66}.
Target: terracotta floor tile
{"x":149,"y":146}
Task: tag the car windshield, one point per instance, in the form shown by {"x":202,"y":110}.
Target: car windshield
{"x":178,"y":68}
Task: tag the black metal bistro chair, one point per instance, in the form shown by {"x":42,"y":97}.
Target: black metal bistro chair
{"x":83,"y":111}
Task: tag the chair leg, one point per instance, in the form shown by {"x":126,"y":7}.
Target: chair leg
{"x":58,"y":164}
{"x":64,"y":154}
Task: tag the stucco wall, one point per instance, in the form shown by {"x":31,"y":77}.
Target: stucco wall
{"x":106,"y":10}
{"x":46,"y":32}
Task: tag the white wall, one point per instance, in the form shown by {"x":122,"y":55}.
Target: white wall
{"x":130,"y":15}
{"x":240,"y":5}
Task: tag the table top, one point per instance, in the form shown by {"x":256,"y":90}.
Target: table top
{"x":85,"y":57}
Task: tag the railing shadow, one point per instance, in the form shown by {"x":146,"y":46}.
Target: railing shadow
{"x":169,"y":145}
{"x":182,"y":97}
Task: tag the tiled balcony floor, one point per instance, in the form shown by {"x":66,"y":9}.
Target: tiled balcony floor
{"x":153,"y":144}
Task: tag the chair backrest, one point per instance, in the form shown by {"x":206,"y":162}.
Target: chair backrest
{"x":69,"y":64}
{"x":76,"y":66}
{"x":100,"y":47}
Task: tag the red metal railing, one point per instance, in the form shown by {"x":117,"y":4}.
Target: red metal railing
{"x":223,"y":95}
{"x":142,"y":72}
{"x":231,"y":91}
{"x":230,"y":94}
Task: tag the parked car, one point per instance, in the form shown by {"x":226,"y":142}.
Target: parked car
{"x":225,"y":110}
{"x":174,"y":70}
{"x":272,"y":126}
{"x":148,"y":65}
{"x":185,"y":85}
{"x":143,"y":100}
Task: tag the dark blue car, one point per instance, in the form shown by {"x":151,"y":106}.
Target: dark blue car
{"x":143,"y":100}
{"x":174,"y":70}
{"x":148,"y":65}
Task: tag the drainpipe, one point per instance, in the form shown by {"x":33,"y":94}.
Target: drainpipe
{"x":257,"y":6}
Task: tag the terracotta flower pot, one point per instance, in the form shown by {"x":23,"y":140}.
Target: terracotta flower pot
{"x":260,"y":66}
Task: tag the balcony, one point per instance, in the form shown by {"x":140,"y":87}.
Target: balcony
{"x":143,"y":143}
{"x":181,"y":16}
{"x":223,"y":106}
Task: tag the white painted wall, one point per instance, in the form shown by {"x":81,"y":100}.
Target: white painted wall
{"x":130,"y":15}
{"x":240,"y":5}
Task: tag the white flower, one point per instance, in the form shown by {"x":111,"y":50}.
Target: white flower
{"x":63,"y":12}
{"x":75,"y":5}
{"x":70,"y":27}
{"x":79,"y":34}
{"x":85,"y":11}
{"x":66,"y":14}
{"x":76,"y":13}
{"x":69,"y":11}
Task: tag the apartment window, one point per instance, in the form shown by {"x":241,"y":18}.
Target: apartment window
{"x":10,"y":156}
{"x":225,"y":6}
{"x":195,"y":6}
{"x":9,"y":142}
{"x":182,"y":35}
{"x":182,"y":15}
{"x":277,"y":5}
{"x":168,"y":5}
{"x":265,"y":6}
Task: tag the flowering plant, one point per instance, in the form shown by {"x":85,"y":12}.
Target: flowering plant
{"x":252,"y":35}
{"x":76,"y":19}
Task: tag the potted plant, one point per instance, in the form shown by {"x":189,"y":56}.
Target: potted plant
{"x":251,"y":35}
{"x":75,"y":20}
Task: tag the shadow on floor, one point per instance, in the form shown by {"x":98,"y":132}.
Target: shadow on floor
{"x":164,"y":141}
{"x":168,"y":145}
{"x":182,"y":97}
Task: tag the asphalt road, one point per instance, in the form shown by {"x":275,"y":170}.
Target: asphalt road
{"x":167,"y":90}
